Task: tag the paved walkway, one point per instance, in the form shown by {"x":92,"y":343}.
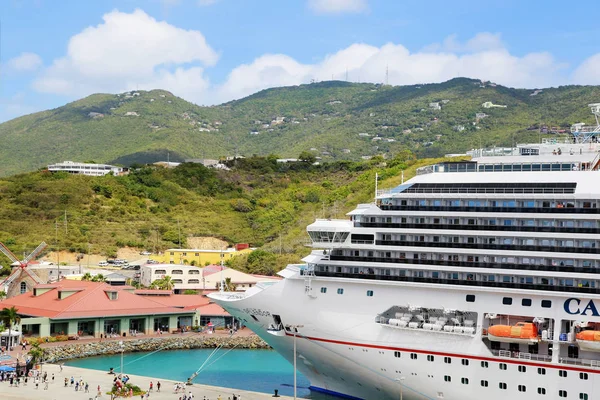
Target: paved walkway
{"x":56,"y":390}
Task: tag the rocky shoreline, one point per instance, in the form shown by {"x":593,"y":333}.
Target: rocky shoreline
{"x":107,"y":347}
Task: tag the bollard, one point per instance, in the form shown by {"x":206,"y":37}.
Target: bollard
{"x":276,"y":393}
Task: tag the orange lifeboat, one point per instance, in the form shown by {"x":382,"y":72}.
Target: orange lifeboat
{"x":522,"y":332}
{"x":589,"y":340}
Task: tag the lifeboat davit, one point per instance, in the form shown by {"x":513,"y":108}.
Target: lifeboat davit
{"x":588,"y":340}
{"x":522,"y":332}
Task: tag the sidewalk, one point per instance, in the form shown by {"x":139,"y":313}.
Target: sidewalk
{"x":57,"y":390}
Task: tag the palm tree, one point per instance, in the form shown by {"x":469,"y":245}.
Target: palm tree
{"x":228,"y":286}
{"x":86,"y":277}
{"x":36,"y":353}
{"x":98,"y":278}
{"x":10,"y":317}
{"x":165,"y":283}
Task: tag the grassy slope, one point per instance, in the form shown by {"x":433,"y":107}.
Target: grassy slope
{"x":68,"y":133}
{"x":255,"y":202}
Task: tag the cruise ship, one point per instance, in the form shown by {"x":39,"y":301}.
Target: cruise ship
{"x":474,"y":279}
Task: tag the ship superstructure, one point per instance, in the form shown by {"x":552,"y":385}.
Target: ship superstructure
{"x":473,"y":279}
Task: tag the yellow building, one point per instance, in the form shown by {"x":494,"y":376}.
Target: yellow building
{"x":200,"y":257}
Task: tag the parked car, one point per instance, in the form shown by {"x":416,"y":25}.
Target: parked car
{"x":145,"y":253}
{"x":151,"y":262}
{"x":102,"y":264}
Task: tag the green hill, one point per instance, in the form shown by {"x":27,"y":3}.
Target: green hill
{"x":325,"y":118}
{"x":260,"y":201}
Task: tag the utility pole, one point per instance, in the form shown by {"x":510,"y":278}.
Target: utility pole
{"x":179,"y":233}
{"x":66,"y":223}
{"x":387,"y":75}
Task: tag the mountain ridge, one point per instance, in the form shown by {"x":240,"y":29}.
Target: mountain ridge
{"x":331,"y":119}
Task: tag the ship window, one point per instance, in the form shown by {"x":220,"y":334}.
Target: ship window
{"x":546,"y":303}
{"x":484,"y":383}
{"x":323,"y":290}
{"x":522,"y":368}
{"x":507,"y":301}
{"x":430,"y":358}
{"x":562,"y":393}
{"x":470,"y":298}
{"x":583,"y":375}
{"x":542,"y":371}
{"x":502,"y":366}
{"x":484,"y":364}
{"x":340,"y":291}
{"x":448,"y":360}
{"x":541,"y":390}
{"x":465,"y":381}
{"x":447,"y":378}
{"x":464,"y":361}
{"x":397,"y":354}
{"x":413,"y":356}
{"x":583,"y":396}
{"x":502,"y":385}
{"x":369,"y":293}
{"x":562,"y":373}
{"x":522,"y":388}
{"x":526,"y":302}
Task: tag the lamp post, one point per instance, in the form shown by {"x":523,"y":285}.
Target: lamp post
{"x":122,"y":349}
{"x":399,"y":380}
{"x":295,"y":330}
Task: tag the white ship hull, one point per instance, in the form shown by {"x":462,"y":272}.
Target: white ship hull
{"x":342,"y":350}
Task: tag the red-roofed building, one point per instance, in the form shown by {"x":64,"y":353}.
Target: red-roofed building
{"x":94,"y":309}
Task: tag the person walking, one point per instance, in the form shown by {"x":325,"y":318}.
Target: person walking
{"x":151,"y":385}
{"x":158,"y":386}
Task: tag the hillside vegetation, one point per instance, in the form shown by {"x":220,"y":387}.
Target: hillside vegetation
{"x":260,"y":201}
{"x":323,"y":118}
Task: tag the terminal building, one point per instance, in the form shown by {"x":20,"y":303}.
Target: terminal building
{"x":186,"y":277}
{"x":92,"y":309}
{"x":86,"y":169}
{"x":201,"y":257}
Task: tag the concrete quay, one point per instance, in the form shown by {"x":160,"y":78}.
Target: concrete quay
{"x":57,"y":390}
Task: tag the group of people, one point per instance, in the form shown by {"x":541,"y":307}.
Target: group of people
{"x":34,"y":376}
{"x":78,"y":384}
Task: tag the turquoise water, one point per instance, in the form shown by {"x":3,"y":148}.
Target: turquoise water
{"x":255,"y":370}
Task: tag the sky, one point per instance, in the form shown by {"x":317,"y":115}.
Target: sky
{"x":212,"y":51}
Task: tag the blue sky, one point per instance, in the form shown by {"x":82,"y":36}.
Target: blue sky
{"x":210,"y":51}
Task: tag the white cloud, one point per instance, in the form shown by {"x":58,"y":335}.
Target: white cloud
{"x":480,"y":42}
{"x":24,"y":62}
{"x":337,"y":6}
{"x":369,"y":63}
{"x":129,"y":51}
{"x":588,"y":72}
{"x":125,"y":51}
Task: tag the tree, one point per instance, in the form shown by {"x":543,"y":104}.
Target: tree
{"x":86,"y":277}
{"x":165,"y":283}
{"x":10,"y":317}
{"x":36,"y":353}
{"x":228,"y":286}
{"x":307,"y":157}
{"x":2,"y":294}
{"x":98,"y":278}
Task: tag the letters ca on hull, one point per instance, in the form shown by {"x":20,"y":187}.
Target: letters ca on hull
{"x":574,"y":306}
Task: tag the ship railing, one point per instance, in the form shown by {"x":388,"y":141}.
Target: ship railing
{"x":521,"y":355}
{"x":579,"y":361}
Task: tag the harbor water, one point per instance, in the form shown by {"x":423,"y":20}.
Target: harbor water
{"x":254,"y":370}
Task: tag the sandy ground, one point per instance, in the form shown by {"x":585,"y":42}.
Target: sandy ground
{"x":57,"y":390}
{"x":128,"y":253}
